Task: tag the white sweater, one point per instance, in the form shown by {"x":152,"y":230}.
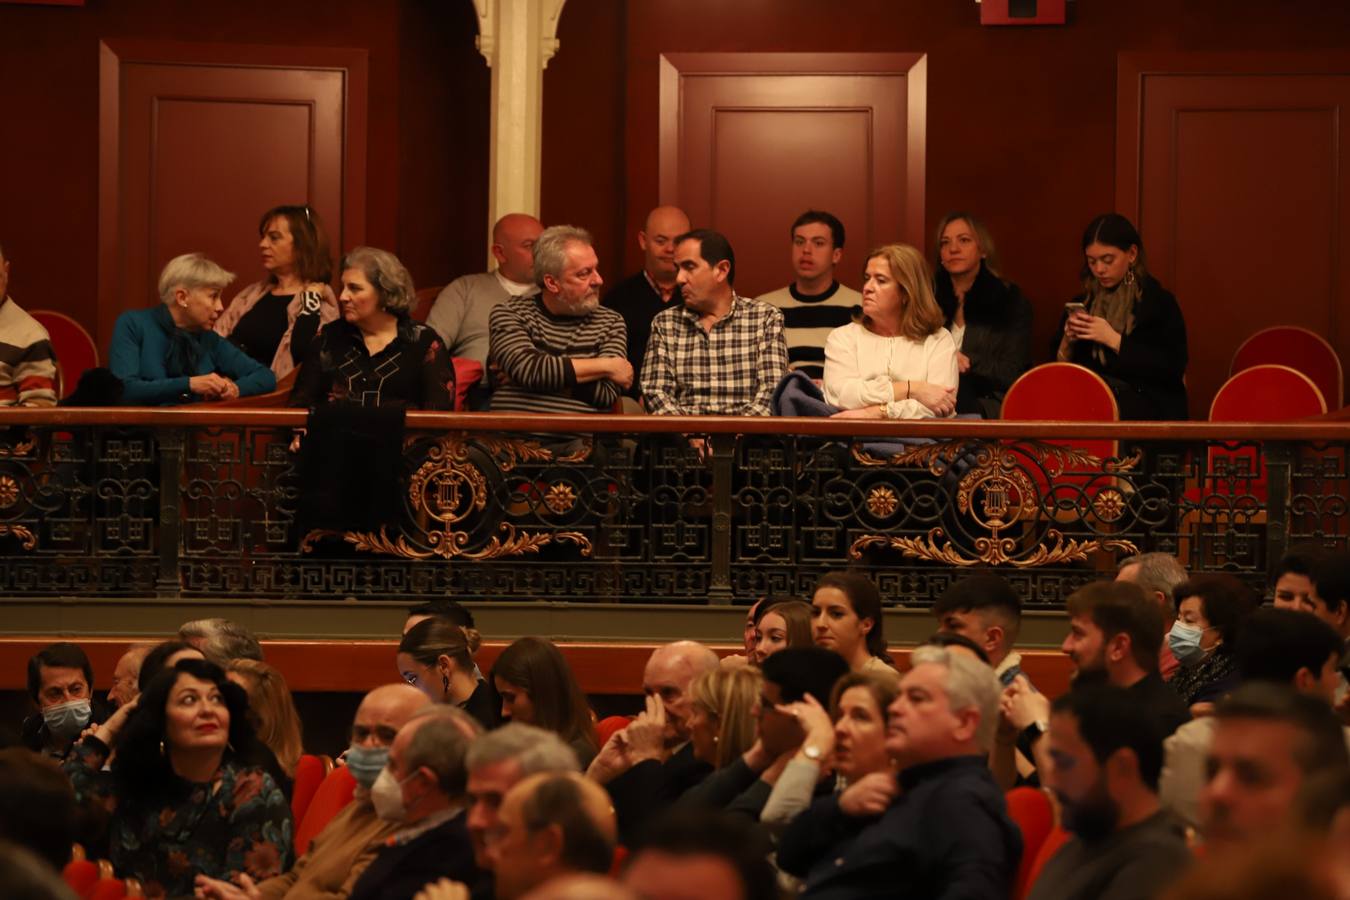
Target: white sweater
{"x":860,"y":368}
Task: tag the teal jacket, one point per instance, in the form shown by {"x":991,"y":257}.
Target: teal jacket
{"x":154,"y":358}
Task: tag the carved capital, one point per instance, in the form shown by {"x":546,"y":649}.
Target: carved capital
{"x":546,"y":13}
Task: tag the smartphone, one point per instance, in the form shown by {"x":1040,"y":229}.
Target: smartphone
{"x":1074,"y":307}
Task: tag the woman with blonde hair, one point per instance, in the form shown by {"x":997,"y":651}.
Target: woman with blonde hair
{"x":722,"y":714}
{"x":436,"y":657}
{"x":271,"y":710}
{"x":898,"y":362}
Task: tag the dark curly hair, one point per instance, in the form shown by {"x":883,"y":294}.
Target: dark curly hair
{"x":142,"y":774}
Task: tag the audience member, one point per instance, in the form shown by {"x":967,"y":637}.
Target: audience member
{"x":275,"y":320}
{"x":27,"y":360}
{"x":1158,"y":574}
{"x":271,"y":711}
{"x":1330,"y":601}
{"x":848,"y":620}
{"x":423,"y":788}
{"x":537,"y":687}
{"x":186,"y":793}
{"x":60,"y":683}
{"x":436,"y":657}
{"x":550,"y":824}
{"x":1126,"y":327}
{"x":25,"y":876}
{"x":814,"y":304}
{"x":560,"y":351}
{"x":985,"y":608}
{"x":1106,"y":752}
{"x":221,"y":640}
{"x":640,"y":297}
{"x":461,"y":311}
{"x":169,"y":354}
{"x":37,"y":806}
{"x":443,"y":607}
{"x":989,"y":319}
{"x":126,"y":675}
{"x":653,"y":763}
{"x":1273,"y":645}
{"x":750,"y":634}
{"x":850,"y":739}
{"x":579,"y":886}
{"x":782,"y":625}
{"x":722,"y":714}
{"x":1291,"y":581}
{"x":340,"y":852}
{"x":162,"y":656}
{"x":938,"y":829}
{"x":375,"y":354}
{"x":897,"y":362}
{"x":497,"y":761}
{"x":1268,"y":741}
{"x":744,"y":784}
{"x":958,"y":642}
{"x":718,"y":353}
{"x":1289,"y":866}
{"x":1209,"y":610}
{"x":700,"y":855}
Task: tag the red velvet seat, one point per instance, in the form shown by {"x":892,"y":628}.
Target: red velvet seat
{"x":310,"y":772}
{"x":331,"y":797}
{"x":1057,"y":838}
{"x":80,"y":874}
{"x":76,"y":351}
{"x":1031,"y":809}
{"x":1064,"y":392}
{"x":426,"y":298}
{"x":1298,"y":348}
{"x":608,"y":726}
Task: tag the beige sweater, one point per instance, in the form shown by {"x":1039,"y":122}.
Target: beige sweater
{"x":335,"y":859}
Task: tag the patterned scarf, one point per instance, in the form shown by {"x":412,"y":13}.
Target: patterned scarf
{"x":1116,"y":306}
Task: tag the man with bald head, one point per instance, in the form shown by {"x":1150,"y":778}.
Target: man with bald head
{"x":460,"y":314}
{"x":639,"y":298}
{"x":649,"y":764}
{"x":340,"y":853}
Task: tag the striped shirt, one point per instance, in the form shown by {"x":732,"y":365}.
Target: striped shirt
{"x":729,"y":370}
{"x":808,"y":320}
{"x":534,"y":349}
{"x":27,"y":360}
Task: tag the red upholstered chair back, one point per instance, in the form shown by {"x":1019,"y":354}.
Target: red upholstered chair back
{"x":1265,"y":393}
{"x":1030,"y":808}
{"x":1057,"y":838}
{"x":109,"y":889}
{"x":1064,"y":392}
{"x":1301,"y":349}
{"x":75,"y":349}
{"x":608,"y":726}
{"x":426,"y":298}
{"x":80,"y":875}
{"x":332,"y":796}
{"x":310,"y":772}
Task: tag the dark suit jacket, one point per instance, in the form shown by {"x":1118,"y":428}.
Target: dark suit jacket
{"x":399,"y":872}
{"x":648,"y":788}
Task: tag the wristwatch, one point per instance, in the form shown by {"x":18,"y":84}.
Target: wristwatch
{"x":812,"y":752}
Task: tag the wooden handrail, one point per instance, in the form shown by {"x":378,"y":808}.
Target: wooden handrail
{"x":207,"y":416}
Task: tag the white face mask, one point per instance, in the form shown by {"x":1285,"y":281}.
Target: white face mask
{"x":386,"y":795}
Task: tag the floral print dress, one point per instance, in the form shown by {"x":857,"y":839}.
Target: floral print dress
{"x":240,"y":821}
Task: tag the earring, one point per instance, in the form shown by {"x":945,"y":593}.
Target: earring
{"x":1129,"y":274}
{"x":161,"y":748}
{"x":445,"y":684}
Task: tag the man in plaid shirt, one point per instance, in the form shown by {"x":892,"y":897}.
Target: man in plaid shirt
{"x":718,"y":354}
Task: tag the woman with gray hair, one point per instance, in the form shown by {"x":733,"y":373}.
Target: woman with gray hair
{"x":375,"y":354}
{"x":169,"y":354}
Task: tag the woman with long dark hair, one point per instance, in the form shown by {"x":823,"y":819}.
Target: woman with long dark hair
{"x":847,"y":619}
{"x":188,"y":791}
{"x":436,"y":657}
{"x":1125,"y":326}
{"x":988,"y":318}
{"x":537,"y":687}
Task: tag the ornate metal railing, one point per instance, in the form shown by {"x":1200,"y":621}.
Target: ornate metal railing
{"x":209,"y":503}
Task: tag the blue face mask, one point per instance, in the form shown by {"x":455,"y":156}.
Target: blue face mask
{"x":365,"y":763}
{"x":1184,"y":641}
{"x":66,"y":720}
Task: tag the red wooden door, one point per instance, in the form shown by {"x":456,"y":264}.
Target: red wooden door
{"x":1233,"y":168}
{"x":197,"y":141}
{"x":750,"y":140}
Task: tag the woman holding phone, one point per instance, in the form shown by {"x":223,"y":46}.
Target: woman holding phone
{"x":1125,"y":326}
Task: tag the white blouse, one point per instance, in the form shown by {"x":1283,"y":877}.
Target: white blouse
{"x":860,"y":368}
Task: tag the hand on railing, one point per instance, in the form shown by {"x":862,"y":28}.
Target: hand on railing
{"x":213,"y":387}
{"x":215,"y":889}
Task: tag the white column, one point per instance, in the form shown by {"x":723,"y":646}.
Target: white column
{"x":517,"y":38}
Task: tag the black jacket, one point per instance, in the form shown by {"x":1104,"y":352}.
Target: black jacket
{"x":1146,"y":375}
{"x":34,"y":732}
{"x":650,"y":787}
{"x":399,"y":872}
{"x":946,"y":835}
{"x":997,"y":339}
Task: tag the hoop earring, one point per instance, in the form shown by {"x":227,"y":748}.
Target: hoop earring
{"x":1129,"y":275}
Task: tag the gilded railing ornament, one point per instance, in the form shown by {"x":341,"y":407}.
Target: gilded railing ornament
{"x":451,"y":489}
{"x":992,"y":551}
{"x":27,"y":540}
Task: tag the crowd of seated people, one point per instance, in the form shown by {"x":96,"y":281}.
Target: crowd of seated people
{"x":807,"y":769}
{"x":921,"y":340}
